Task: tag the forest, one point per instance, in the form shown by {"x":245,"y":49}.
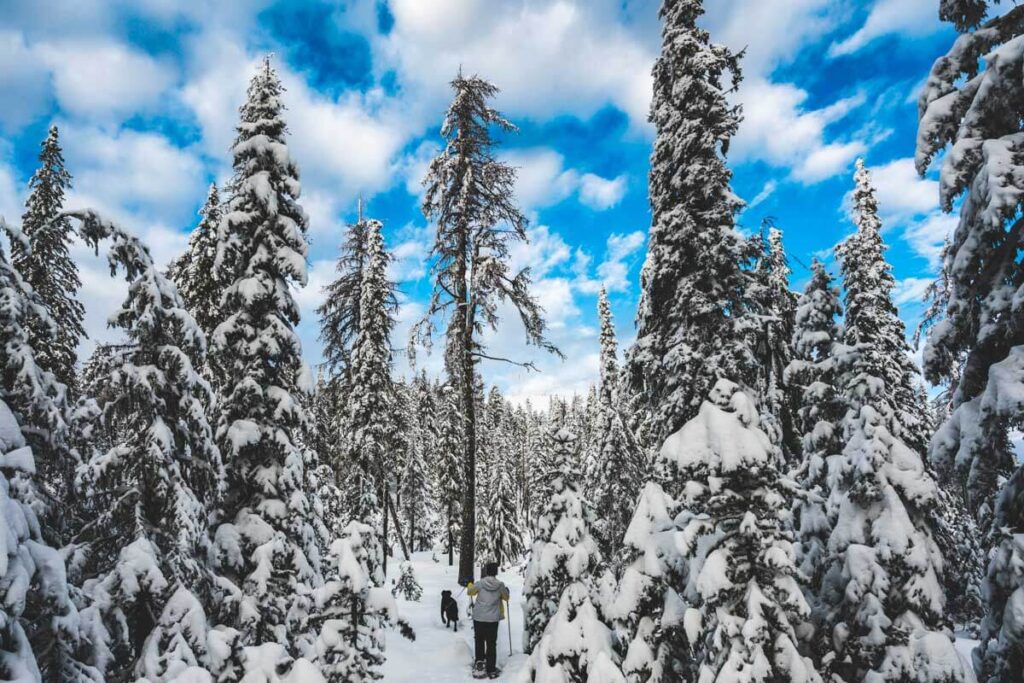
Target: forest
{"x":764,"y":486}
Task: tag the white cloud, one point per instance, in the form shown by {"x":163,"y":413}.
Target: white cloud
{"x":514,"y":45}
{"x":542,"y":180}
{"x":140,"y":172}
{"x":770,"y":32}
{"x":887,"y":17}
{"x":101,"y":78}
{"x":543,"y":252}
{"x":910,"y":290}
{"x":411,"y":252}
{"x":541,"y":177}
{"x":613,"y":271}
{"x":778,"y":129}
{"x":26,"y":89}
{"x":926,"y":236}
{"x":902,"y":192}
{"x":767,"y":191}
{"x":601,"y":193}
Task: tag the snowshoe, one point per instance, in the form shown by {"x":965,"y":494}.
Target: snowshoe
{"x":479,"y":671}
{"x":494,"y":674}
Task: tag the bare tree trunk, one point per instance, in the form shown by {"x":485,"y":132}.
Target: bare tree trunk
{"x":467,"y":549}
{"x":398,"y":528}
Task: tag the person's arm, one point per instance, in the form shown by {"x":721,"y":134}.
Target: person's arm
{"x":504,"y":593}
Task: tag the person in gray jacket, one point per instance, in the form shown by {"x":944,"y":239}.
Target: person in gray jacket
{"x":488,"y":610}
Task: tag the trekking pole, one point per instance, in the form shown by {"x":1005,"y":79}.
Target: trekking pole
{"x":510,"y":650}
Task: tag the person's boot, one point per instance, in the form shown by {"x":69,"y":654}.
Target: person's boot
{"x":494,"y":674}
{"x":479,"y":670}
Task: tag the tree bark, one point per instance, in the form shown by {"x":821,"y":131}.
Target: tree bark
{"x":398,"y":528}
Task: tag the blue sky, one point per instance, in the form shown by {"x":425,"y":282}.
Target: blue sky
{"x":146,"y":94}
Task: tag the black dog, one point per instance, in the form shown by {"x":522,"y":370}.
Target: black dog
{"x":449,"y":611}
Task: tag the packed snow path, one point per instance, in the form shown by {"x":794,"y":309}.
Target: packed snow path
{"x":438,"y":655}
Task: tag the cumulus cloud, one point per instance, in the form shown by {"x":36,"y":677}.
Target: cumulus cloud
{"x":514,"y":44}
{"x":542,"y":179}
{"x":888,"y":17}
{"x":143,"y":173}
{"x":601,"y":193}
{"x":779,"y":129}
{"x":104,"y":78}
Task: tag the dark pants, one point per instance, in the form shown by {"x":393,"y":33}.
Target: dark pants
{"x":485,"y":637}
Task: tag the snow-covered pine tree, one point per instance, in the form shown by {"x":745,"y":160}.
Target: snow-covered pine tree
{"x":262,"y":544}
{"x":619,"y":471}
{"x":33,"y":580}
{"x":353,"y":608}
{"x":448,"y":471}
{"x":416,"y":489}
{"x":876,"y":321}
{"x":372,"y":401}
{"x":691,"y":283}
{"x":501,"y":537}
{"x":407,"y":584}
{"x":45,"y":265}
{"x":469,"y":199}
{"x":41,"y":628}
{"x":743,"y":601}
{"x":48,"y":267}
{"x":882,"y":587}
{"x":153,"y":488}
{"x":776,"y":306}
{"x":972,"y":102}
{"x":339,"y":314}
{"x":195,"y":272}
{"x":563,"y":551}
{"x":814,"y":375}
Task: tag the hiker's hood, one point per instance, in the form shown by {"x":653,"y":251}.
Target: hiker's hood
{"x":490,"y":583}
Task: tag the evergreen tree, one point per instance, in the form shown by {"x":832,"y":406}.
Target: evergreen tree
{"x":872,"y":318}
{"x":448,"y":469}
{"x":814,"y":372}
{"x":262,"y":546}
{"x":563,"y":552}
{"x":469,"y":199}
{"x":150,"y":489}
{"x":339,"y":314}
{"x":373,"y":401}
{"x":574,"y":642}
{"x":743,"y":604}
{"x":41,"y":629}
{"x":619,"y":471}
{"x":352,"y":607}
{"x":776,"y":304}
{"x":883,"y":578}
{"x":688,"y":323}
{"x":972,"y":101}
{"x":416,"y":491}
{"x":195,"y":272}
{"x":47,"y":267}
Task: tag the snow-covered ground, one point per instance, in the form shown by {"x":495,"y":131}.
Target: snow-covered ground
{"x":438,"y":655}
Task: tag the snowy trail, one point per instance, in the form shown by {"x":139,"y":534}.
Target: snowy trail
{"x":439,"y":655}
